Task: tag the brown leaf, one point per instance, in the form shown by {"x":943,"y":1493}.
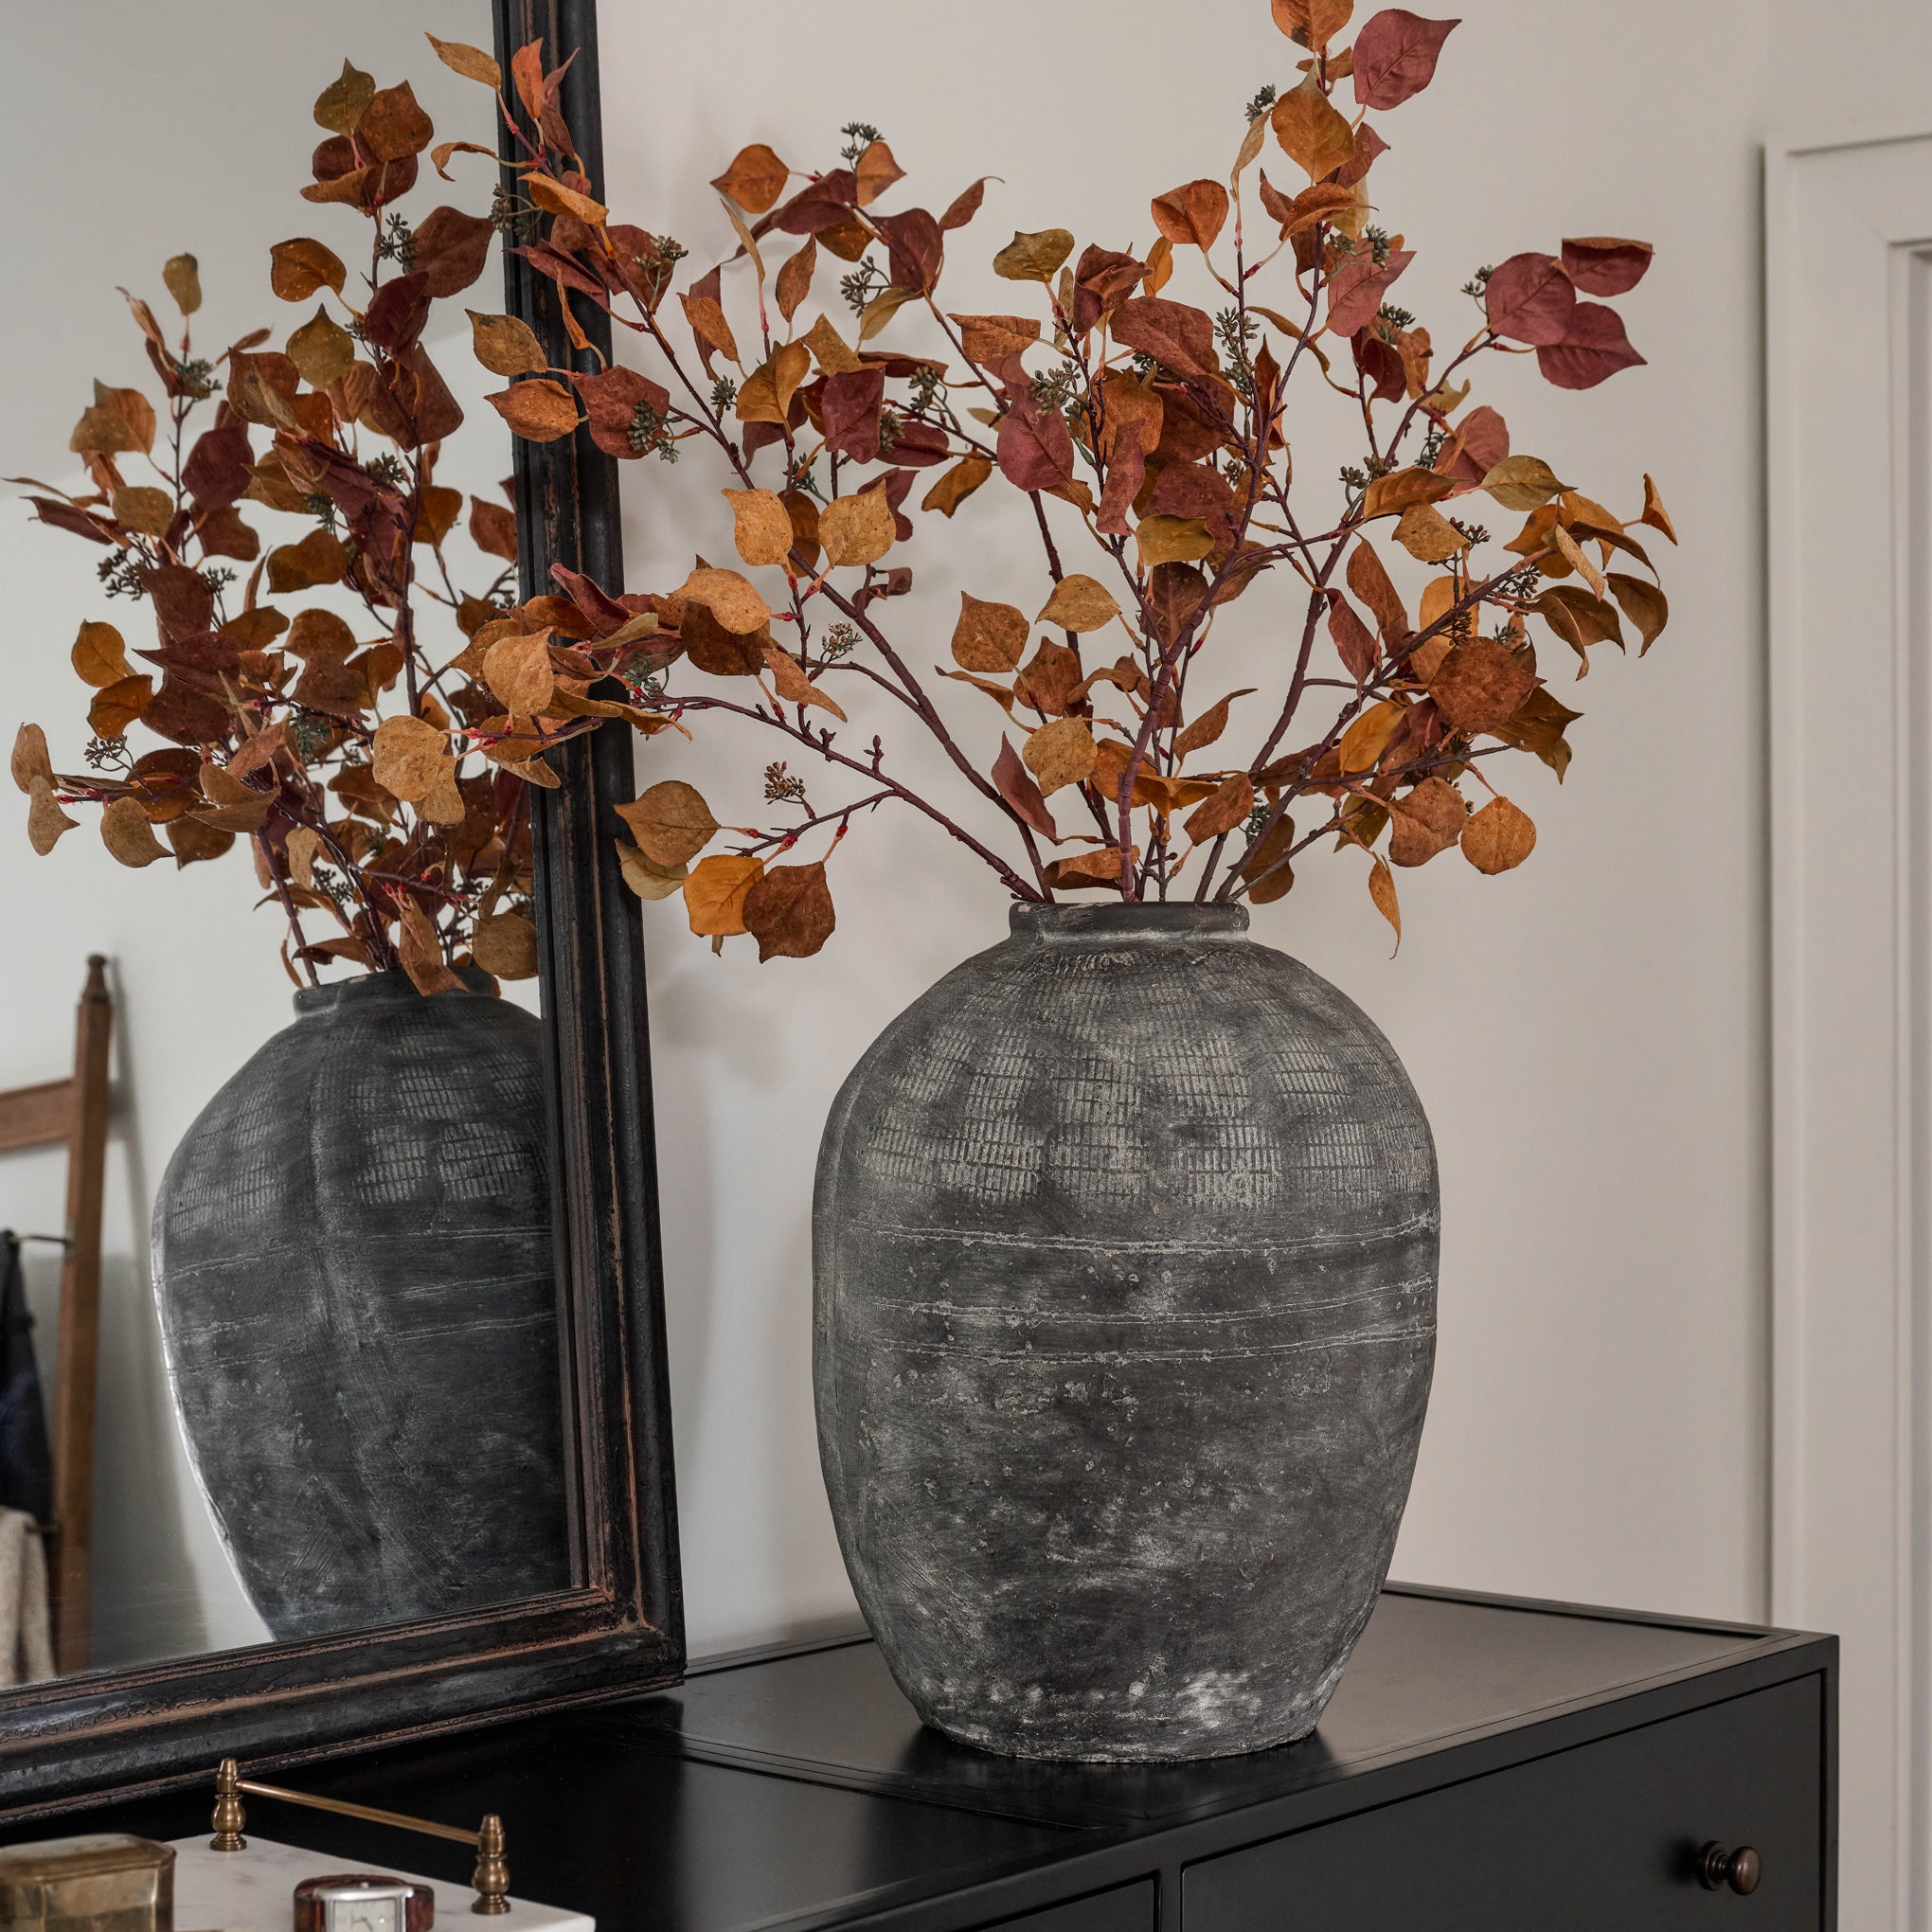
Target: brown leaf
{"x":989,"y":339}
{"x":127,"y":834}
{"x":1049,"y":679}
{"x":505,"y":943}
{"x":989,"y":637}
{"x":321,"y":351}
{"x":1033,"y":256}
{"x":1173,"y":540}
{"x":1643,"y":603}
{"x":420,"y":950}
{"x":1579,"y":618}
{"x":1365,"y":740}
{"x":555,"y":199}
{"x":345,"y":100}
{"x":45,"y":821}
{"x":766,"y":394}
{"x":318,"y":559}
{"x":1395,"y":491}
{"x":788,"y":910}
{"x":856,"y":529}
{"x":493,"y":528}
{"x":181,"y":275}
{"x":119,"y":420}
{"x":755,"y":180}
{"x":1208,"y":726}
{"x":1266,"y":868}
{"x":794,"y":279}
{"x":505,"y":346}
{"x":1195,"y":213}
{"x":1352,"y":638}
{"x":517,"y":669}
{"x":957,"y":484}
{"x":714,"y":893}
{"x":1481,"y":684}
{"x":117,"y":705}
{"x":299,"y":268}
{"x":1034,"y":446}
{"x":1429,"y":820}
{"x":1382,"y":891}
{"x":829,"y":349}
{"x":1428,"y":536}
{"x":473,"y":63}
{"x":1395,"y":57}
{"x":761,"y":526}
{"x":405,"y":756}
{"x":1311,"y":131}
{"x":1015,"y":784}
{"x":141,"y":506}
{"x":647,"y":879}
{"x":794,"y":685}
{"x":1368,"y":579}
{"x":1605,"y":264}
{"x":538,"y":411}
{"x":1061,"y":753}
{"x":1522,"y":483}
{"x":671,"y":822}
{"x":31,"y":763}
{"x":1498,"y":837}
{"x":100,"y":657}
{"x":393,"y":126}
{"x":1654,"y":514}
{"x":1227,"y":807}
{"x":1086,"y":870}
{"x":1080,"y":603}
{"x":874,"y":172}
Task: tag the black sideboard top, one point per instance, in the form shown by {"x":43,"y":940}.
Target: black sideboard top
{"x":798,"y":1790}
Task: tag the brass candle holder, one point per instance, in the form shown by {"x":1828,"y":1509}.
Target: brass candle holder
{"x":491,"y":1878}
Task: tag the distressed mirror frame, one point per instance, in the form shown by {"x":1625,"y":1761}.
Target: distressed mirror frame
{"x":621,"y":1628}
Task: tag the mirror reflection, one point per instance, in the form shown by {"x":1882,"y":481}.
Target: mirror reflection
{"x":280,"y":1335}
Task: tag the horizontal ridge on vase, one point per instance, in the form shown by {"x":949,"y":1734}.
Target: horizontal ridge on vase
{"x":1125,"y":1247}
{"x":355,"y":1272}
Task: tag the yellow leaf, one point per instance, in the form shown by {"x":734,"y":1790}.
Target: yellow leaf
{"x":1061,"y":753}
{"x":1034,"y":257}
{"x":760,"y":525}
{"x":1173,"y":540}
{"x":856,"y":529}
{"x":1364,"y":741}
{"x":1079,"y":604}
{"x":473,"y":63}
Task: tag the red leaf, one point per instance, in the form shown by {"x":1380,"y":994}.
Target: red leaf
{"x":1352,"y":638}
{"x":397,"y":313}
{"x":1356,"y":289}
{"x":1173,"y":334}
{"x":1595,"y":349}
{"x":1605,"y":264}
{"x":916,"y":248}
{"x":610,"y":401}
{"x":449,"y":249}
{"x":1103,"y":280}
{"x":848,"y":407}
{"x":1380,"y":362}
{"x":218,"y":469}
{"x":1531,"y":300}
{"x":1035,"y":448}
{"x":965,"y":206}
{"x":1395,"y":56}
{"x":1016,"y":786}
{"x":64,"y":516}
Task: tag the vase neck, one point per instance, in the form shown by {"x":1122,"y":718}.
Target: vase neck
{"x":376,"y":989}
{"x":1090,"y":924}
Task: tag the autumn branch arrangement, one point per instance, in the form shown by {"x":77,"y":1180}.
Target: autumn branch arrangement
{"x":1153,"y":439}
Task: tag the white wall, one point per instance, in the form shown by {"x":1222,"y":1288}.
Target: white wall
{"x":1587,"y":1033}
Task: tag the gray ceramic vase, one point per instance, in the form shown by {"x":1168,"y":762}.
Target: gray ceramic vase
{"x":357,"y":1291}
{"x":1125,"y":1254}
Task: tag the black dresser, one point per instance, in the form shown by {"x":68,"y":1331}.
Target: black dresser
{"x":1488,"y":1765}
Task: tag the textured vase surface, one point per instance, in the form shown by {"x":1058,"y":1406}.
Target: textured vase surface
{"x":357,"y":1292}
{"x":1125,"y":1252}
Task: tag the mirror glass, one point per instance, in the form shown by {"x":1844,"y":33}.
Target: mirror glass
{"x":321,"y":1384}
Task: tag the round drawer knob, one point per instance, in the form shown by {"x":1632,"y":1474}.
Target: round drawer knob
{"x":1739,"y":1869}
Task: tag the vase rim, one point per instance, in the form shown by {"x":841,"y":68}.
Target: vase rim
{"x":1031,"y":920}
{"x":365,"y":988}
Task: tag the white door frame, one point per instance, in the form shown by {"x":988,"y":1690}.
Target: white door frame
{"x":1849,"y":428}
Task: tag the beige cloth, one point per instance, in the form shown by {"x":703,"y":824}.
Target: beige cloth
{"x":26,"y":1625}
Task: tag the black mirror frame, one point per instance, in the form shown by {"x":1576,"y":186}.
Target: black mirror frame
{"x":131,"y":1732}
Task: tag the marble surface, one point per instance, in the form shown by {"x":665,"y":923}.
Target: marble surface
{"x":254,"y":1891}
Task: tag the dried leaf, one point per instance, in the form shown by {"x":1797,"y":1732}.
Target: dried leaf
{"x":1173,"y":540}
{"x":882,"y":309}
{"x":142,"y":507}
{"x":1015,"y":784}
{"x":1079,"y":604}
{"x":127,"y":834}
{"x":761,"y":526}
{"x":646,"y":879}
{"x":539,"y":410}
{"x":957,"y":485}
{"x":555,"y":199}
{"x":1654,"y":514}
{"x":321,"y":351}
{"x":1530,"y":299}
{"x":504,"y":345}
{"x":1591,"y":351}
{"x":1061,"y":753}
{"x":1479,"y":685}
{"x":1365,"y":740}
{"x":1266,"y":868}
{"x":517,"y":669}
{"x":794,"y":685}
{"x":505,"y":943}
{"x":1499,"y":837}
{"x":1312,"y":131}
{"x":1605,"y":264}
{"x":1382,"y":891}
{"x":1522,"y":483}
{"x":181,"y":275}
{"x":117,"y":705}
{"x":788,"y":910}
{"x":1351,"y":638}
{"x":1086,"y":870}
{"x":393,"y":126}
{"x":1195,"y":213}
{"x":714,"y":893}
{"x":1643,"y":603}
{"x":874,"y":172}
{"x":671,"y":822}
{"x":729,"y":596}
{"x":989,"y":339}
{"x":304,"y":846}
{"x":1208,"y":727}
{"x":45,"y":821}
{"x":318,"y":559}
{"x":766,"y":394}
{"x":1368,"y":579}
{"x":1224,"y":809}
{"x":299,"y":268}
{"x":1428,"y":536}
{"x":794,"y":279}
{"x":100,"y":657}
{"x":420,"y":950}
{"x":1395,"y":491}
{"x":345,"y":100}
{"x":989,"y":637}
{"x":829,"y":349}
{"x":755,"y":180}
{"x":1395,"y":57}
{"x":1033,"y":256}
{"x":473,"y":63}
{"x":1429,"y":820}
{"x":856,"y":529}
{"x":406,"y":755}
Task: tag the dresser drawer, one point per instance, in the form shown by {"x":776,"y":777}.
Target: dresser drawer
{"x":1602,"y":1839}
{"x":1124,"y":1908}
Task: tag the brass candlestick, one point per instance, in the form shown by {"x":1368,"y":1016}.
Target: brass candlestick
{"x":491,"y":1877}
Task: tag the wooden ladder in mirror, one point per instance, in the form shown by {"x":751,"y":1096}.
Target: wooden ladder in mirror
{"x":73,"y":1110}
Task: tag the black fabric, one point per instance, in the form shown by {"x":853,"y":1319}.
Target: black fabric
{"x":26,"y":1460}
